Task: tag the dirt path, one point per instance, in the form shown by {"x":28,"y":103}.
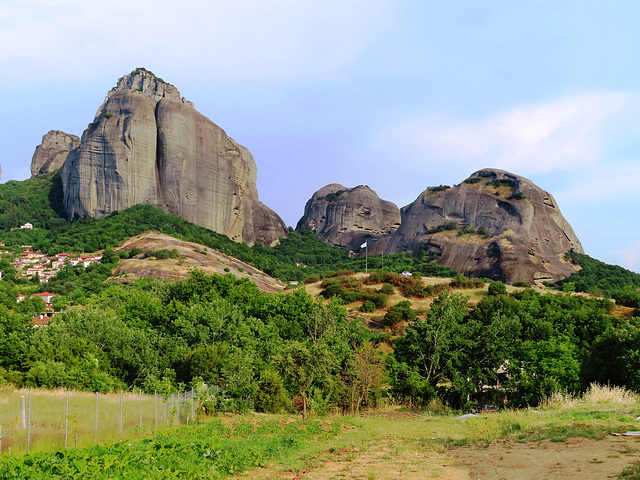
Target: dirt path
{"x":577,"y":458}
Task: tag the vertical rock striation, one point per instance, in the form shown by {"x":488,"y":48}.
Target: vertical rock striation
{"x":147,"y":144}
{"x":52,"y":152}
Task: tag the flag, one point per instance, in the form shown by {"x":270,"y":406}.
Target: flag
{"x":364,"y":245}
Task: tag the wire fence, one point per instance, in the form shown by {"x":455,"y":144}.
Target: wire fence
{"x":33,"y":420}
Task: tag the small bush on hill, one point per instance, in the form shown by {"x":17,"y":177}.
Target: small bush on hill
{"x":497,"y":288}
{"x":368,"y":306}
{"x":397,"y":313}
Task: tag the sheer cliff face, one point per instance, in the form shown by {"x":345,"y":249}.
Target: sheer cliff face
{"x":52,"y":152}
{"x":525,"y":236}
{"x":149,"y":145}
{"x":348,"y":216}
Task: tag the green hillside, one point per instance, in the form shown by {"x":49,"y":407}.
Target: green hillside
{"x":39,"y":201}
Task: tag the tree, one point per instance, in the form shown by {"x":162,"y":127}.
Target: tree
{"x":367,"y":374}
{"x":435,"y":348}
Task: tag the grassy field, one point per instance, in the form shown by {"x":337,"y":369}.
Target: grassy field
{"x":49,"y":418}
{"x":377,"y":445}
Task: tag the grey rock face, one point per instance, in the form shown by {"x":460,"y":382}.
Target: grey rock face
{"x":147,"y":144}
{"x":523,"y":235}
{"x":348,"y":216}
{"x":52,"y":152}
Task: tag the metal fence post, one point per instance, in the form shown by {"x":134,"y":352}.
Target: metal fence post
{"x":155,"y":409}
{"x":95,"y":428}
{"x":29,"y":424}
{"x":120,"y":413}
{"x":140,"y":410}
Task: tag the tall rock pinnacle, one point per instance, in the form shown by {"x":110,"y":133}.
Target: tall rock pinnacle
{"x":147,"y":144}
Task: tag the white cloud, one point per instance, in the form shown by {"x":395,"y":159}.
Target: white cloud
{"x":243,"y":39}
{"x":566,"y":134}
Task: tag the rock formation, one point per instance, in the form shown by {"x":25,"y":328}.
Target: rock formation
{"x":52,"y":152}
{"x":514,"y":230}
{"x":348,"y":216}
{"x":147,"y":144}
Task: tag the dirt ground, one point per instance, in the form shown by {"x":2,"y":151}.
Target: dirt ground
{"x":576,"y":458}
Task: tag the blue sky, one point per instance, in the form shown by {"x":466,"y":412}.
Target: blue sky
{"x":397,"y":95}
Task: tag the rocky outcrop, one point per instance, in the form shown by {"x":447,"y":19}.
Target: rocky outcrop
{"x":348,"y":216}
{"x":147,"y":144}
{"x":52,"y":152}
{"x":494,"y":224}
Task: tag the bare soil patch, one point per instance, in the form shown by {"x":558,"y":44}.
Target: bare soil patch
{"x":576,"y":458}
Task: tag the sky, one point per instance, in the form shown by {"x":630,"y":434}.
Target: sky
{"x":398,"y":95}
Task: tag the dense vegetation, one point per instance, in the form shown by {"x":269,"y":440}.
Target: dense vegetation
{"x":599,"y":278}
{"x":273,"y":351}
{"x":302,"y":254}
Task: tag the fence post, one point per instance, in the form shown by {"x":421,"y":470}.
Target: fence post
{"x":120,"y":413}
{"x":140,"y":410}
{"x":0,"y":439}
{"x":66,"y":421}
{"x":95,"y":428}
{"x":178,"y":411}
{"x":155,"y":409}
{"x":29,"y":424}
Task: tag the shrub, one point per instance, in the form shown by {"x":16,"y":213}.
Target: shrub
{"x":387,"y":289}
{"x":517,"y":196}
{"x":368,"y":306}
{"x":378,"y":299}
{"x":348,"y":296}
{"x":497,"y":288}
{"x":466,"y":230}
{"x":522,"y":284}
{"x":439,"y":188}
{"x":311,"y":279}
{"x":483,"y":232}
{"x":460,"y":281}
{"x":397,"y":313}
{"x":473,"y":180}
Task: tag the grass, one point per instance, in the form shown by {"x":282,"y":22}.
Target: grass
{"x":373,"y":446}
{"x":48,"y":418}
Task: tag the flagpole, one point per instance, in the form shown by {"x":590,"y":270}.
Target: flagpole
{"x":366,"y":259}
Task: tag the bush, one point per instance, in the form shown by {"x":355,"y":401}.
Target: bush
{"x":378,"y":299}
{"x":368,"y":306}
{"x":460,"y":281}
{"x":497,"y":288}
{"x":387,"y":289}
{"x":522,"y":284}
{"x":397,"y":313}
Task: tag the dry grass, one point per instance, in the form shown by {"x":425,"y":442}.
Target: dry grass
{"x":596,"y":395}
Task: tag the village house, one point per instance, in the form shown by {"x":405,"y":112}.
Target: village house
{"x":27,"y":226}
